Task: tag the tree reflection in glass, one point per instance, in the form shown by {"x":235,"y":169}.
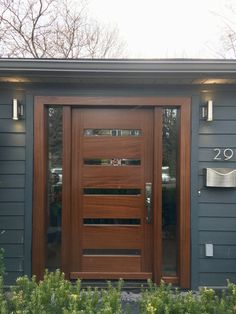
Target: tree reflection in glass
{"x":54,"y":200}
{"x":169,"y":192}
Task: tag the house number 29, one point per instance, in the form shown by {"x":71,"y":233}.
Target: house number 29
{"x":223,"y":154}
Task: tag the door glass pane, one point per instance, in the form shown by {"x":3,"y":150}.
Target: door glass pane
{"x":54,"y":200}
{"x":169,"y":192}
{"x":112,"y":162}
{"x":98,"y":191}
{"x":112,"y":132}
{"x":111,"y":221}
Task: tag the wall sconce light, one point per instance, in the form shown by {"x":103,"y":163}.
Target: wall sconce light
{"x":17,"y":110}
{"x":207,"y":111}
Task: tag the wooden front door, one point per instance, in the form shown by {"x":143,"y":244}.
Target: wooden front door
{"x":112,"y":163}
{"x":95,"y":159}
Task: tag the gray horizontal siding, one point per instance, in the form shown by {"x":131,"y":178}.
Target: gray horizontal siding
{"x":9,"y":139}
{"x":208,"y":154}
{"x":217,"y":237}
{"x":12,"y":153}
{"x":216,"y":279}
{"x":217,"y":206}
{"x":12,"y":208}
{"x":221,"y":252}
{"x":12,"y":236}
{"x":217,"y":140}
{"x":217,"y":223}
{"x":217,"y":210}
{"x":13,"y":264}
{"x":12,"y":167}
{"x":12,"y":181}
{"x":12,"y":195}
{"x":12,"y":186}
{"x":11,"y":126}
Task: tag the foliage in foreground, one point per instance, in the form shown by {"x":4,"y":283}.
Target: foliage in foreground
{"x":55,"y":294}
{"x":164,"y":299}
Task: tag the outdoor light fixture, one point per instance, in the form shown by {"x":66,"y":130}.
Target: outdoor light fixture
{"x":17,"y":109}
{"x":207,"y":111}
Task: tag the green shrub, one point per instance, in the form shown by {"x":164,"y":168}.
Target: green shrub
{"x":164,"y":299}
{"x":55,"y":294}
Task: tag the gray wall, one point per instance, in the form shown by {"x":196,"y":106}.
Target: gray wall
{"x":217,"y":206}
{"x":213,"y":212}
{"x":12,"y":185}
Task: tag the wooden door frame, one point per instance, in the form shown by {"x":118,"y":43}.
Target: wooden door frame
{"x":40,"y":177}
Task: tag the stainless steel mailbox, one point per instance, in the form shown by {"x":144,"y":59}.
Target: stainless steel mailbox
{"x":221,"y":177}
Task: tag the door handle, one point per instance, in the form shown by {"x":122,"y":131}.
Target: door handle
{"x":148,"y":201}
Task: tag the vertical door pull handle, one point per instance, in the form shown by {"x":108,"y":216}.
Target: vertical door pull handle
{"x":148,"y":201}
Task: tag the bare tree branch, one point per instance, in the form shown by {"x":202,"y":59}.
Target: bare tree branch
{"x":54,"y":29}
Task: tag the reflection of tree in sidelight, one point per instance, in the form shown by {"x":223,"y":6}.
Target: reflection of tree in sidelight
{"x":54,"y":29}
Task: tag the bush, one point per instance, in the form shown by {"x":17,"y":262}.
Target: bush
{"x":164,"y":299}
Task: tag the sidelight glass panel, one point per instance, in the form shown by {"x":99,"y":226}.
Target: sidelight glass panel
{"x":111,"y":221}
{"x":112,"y":132}
{"x":112,"y":162}
{"x":169,"y":192}
{"x":54,"y":186}
{"x":98,"y":191}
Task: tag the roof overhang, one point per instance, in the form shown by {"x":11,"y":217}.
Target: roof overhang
{"x":158,"y":71}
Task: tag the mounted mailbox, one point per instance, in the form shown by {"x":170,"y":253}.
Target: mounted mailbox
{"x":221,"y":177}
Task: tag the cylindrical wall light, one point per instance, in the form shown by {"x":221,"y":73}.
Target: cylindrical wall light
{"x":17,"y":109}
{"x":207,"y":111}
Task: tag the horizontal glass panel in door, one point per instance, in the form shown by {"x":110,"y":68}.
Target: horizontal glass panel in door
{"x":112,"y":162}
{"x":54,"y":188}
{"x":112,"y":132}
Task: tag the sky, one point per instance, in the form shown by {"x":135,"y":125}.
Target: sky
{"x":166,"y":28}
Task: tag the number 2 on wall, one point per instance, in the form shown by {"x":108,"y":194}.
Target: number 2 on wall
{"x":223,"y":154}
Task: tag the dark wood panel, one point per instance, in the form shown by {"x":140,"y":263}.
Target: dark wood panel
{"x":184,"y":196}
{"x":107,"y":237}
{"x":12,"y":181}
{"x":220,"y":252}
{"x":107,"y":275}
{"x":12,"y":209}
{"x":99,"y":147}
{"x":12,"y":195}
{"x":12,"y":126}
{"x":12,"y":236}
{"x":111,"y":206}
{"x":12,"y":222}
{"x":112,"y":118}
{"x":217,"y":237}
{"x":12,"y":167}
{"x":142,"y":101}
{"x":9,"y":139}
{"x":111,"y":263}
{"x":12,"y":153}
{"x":111,"y":177}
